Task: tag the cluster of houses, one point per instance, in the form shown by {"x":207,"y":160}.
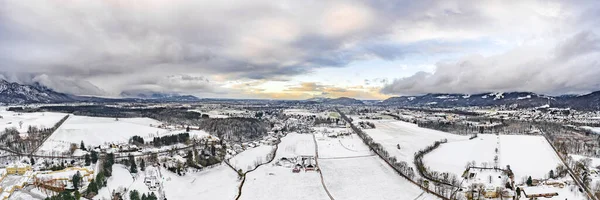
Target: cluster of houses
{"x":306,"y":163}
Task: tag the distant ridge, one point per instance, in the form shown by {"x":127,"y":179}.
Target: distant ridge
{"x":516,"y":99}
{"x":15,"y":93}
{"x":337,"y":101}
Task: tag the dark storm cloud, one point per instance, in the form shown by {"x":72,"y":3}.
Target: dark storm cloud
{"x":570,"y":67}
{"x":106,"y":47}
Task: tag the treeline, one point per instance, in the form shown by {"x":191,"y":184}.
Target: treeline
{"x":444,"y":177}
{"x":237,"y":129}
{"x":104,"y":173}
{"x":170,"y":139}
{"x":11,"y":136}
{"x":169,"y":115}
{"x":440,"y":190}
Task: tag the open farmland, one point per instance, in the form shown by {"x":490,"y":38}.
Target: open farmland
{"x":98,"y":130}
{"x":250,"y":158}
{"x":453,"y":157}
{"x":410,"y":138}
{"x":527,"y":155}
{"x":39,"y":119}
{"x":220,"y":182}
{"x":351,"y":171}
{"x":278,"y":182}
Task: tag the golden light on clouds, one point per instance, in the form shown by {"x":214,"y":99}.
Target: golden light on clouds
{"x":306,"y":90}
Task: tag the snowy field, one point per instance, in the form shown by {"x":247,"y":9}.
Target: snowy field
{"x":121,"y":178}
{"x":341,"y":147}
{"x":351,"y":171}
{"x":39,"y":119}
{"x":218,"y":183}
{"x":250,"y":158}
{"x":98,"y":130}
{"x":453,"y":156}
{"x":276,"y":182}
{"x":410,"y":137}
{"x":367,"y":178}
{"x":526,"y":155}
{"x":305,"y":112}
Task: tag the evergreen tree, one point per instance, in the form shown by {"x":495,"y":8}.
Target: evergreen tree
{"x":87,"y":160}
{"x":551,"y":174}
{"x":142,"y":165}
{"x":133,"y":167}
{"x":100,"y":179}
{"x":518,"y":192}
{"x":93,"y":187}
{"x":144,"y":197}
{"x":76,"y":180}
{"x":152,"y":196}
{"x":32,"y":161}
{"x":94,"y":157}
{"x":134,"y":195}
{"x":77,"y":195}
{"x":529,"y":181}
{"x":82,"y":146}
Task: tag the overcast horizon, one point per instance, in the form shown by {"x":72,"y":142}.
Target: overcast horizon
{"x":301,"y":49}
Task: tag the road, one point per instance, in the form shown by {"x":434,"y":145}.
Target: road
{"x":319,"y":168}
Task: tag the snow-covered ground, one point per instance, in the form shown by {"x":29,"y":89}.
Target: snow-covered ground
{"x":277,"y":182}
{"x":220,"y":182}
{"x":38,"y":119}
{"x":121,"y":178}
{"x":453,"y":156}
{"x":250,"y":158}
{"x":526,"y":155}
{"x":352,"y":171}
{"x":341,"y":147}
{"x":595,"y":130}
{"x":410,"y":137}
{"x":99,"y":130}
{"x":367,"y":178}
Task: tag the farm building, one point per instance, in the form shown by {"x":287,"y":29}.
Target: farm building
{"x":539,"y":191}
{"x":18,"y":168}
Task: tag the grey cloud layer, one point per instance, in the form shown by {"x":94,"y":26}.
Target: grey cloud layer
{"x":570,"y":67}
{"x":106,"y":47}
{"x":100,"y":41}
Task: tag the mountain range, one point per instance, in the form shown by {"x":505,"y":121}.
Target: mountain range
{"x":515,"y":99}
{"x":15,"y":93}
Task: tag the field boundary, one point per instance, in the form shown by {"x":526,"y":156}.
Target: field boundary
{"x":576,"y":178}
{"x":243,"y":175}
{"x":356,"y":130}
{"x":319,"y":168}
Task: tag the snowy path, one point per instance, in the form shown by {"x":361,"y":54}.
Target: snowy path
{"x":319,"y":169}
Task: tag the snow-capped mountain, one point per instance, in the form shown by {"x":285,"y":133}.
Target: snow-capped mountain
{"x":518,"y":99}
{"x":15,"y":93}
{"x":36,"y":93}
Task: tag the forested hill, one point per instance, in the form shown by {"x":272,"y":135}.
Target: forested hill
{"x":235,"y":129}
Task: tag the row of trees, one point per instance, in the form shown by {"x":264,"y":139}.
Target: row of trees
{"x":105,"y":172}
{"x":401,"y":167}
{"x":135,"y":195}
{"x":171,"y":139}
{"x":443,"y":177}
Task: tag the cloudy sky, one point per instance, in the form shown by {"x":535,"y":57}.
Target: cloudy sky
{"x":301,"y":49}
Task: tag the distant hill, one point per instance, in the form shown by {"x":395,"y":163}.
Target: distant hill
{"x":336,"y":101}
{"x":159,"y":96}
{"x":517,"y":99}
